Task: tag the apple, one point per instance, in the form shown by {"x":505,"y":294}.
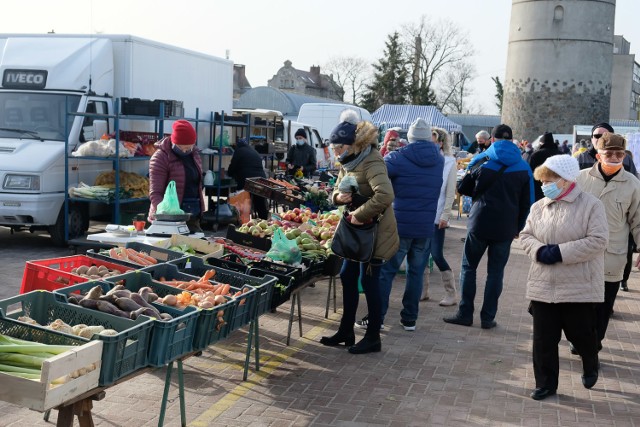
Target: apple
{"x":296,"y":211}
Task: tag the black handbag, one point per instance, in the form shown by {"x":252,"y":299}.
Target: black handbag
{"x":468,"y":183}
{"x":355,"y":242}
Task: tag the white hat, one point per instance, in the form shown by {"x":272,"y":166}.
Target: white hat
{"x":564,"y":165}
{"x":419,"y":131}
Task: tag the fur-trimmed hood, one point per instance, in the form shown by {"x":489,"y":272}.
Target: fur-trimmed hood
{"x":366,"y":134}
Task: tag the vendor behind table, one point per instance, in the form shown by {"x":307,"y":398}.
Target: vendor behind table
{"x":178,"y":159}
{"x":301,"y":157}
{"x":247,"y":163}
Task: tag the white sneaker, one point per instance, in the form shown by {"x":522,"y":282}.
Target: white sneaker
{"x":364,"y":322}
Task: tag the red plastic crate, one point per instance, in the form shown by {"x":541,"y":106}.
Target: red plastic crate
{"x":55,"y":273}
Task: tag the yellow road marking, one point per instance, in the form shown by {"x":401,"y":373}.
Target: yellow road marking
{"x":273,"y":363}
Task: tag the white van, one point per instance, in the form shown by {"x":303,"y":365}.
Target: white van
{"x":325,"y":116}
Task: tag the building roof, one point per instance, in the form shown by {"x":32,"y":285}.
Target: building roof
{"x":402,"y":116}
{"x":479,"y":120}
{"x":275,"y":99}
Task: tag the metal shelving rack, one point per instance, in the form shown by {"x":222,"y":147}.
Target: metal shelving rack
{"x":116,"y":161}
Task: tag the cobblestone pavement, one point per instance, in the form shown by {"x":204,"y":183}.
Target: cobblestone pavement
{"x":439,"y":375}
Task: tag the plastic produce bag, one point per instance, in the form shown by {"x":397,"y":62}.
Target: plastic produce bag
{"x":283,"y":249}
{"x":170,"y":204}
{"x":242,"y":202}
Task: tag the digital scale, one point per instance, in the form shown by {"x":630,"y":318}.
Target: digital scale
{"x":167,"y":228}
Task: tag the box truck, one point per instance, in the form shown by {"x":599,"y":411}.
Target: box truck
{"x":44,"y":77}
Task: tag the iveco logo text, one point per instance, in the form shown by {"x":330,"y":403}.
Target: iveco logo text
{"x":24,"y":79}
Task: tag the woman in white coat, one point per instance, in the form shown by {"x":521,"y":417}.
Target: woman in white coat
{"x":447,"y":192}
{"x":565,"y":236}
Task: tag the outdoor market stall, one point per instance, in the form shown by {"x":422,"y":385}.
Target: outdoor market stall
{"x":141,"y":307}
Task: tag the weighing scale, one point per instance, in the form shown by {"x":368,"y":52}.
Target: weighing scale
{"x":166,"y":225}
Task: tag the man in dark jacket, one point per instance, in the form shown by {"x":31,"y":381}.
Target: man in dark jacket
{"x":247,"y":163}
{"x":502,"y":196}
{"x":416,"y":175}
{"x":547,"y":149}
{"x":301,"y":156}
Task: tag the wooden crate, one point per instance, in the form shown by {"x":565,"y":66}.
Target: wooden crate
{"x":42,"y":395}
{"x":202,"y":247}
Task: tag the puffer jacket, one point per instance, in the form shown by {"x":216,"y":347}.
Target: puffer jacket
{"x":374,"y":183}
{"x":501,"y":210}
{"x":578,"y":224}
{"x":165,"y":166}
{"x":621,"y":199}
{"x":416,"y":175}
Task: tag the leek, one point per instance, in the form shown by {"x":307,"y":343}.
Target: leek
{"x":19,"y":369}
{"x":26,"y":360}
{"x":35,"y":348}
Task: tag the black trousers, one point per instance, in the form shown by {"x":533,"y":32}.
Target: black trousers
{"x":604,"y":309}
{"x":627,"y":268}
{"x":260,"y":206}
{"x":578,"y":321}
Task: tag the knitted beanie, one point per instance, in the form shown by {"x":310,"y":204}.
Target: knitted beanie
{"x":564,"y":165}
{"x":345,"y":132}
{"x":300,"y":132}
{"x":183,"y":133}
{"x":419,"y":130}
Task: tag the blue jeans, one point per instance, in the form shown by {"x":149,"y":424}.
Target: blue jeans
{"x":497,"y":258}
{"x":417,"y":253}
{"x":437,"y":249}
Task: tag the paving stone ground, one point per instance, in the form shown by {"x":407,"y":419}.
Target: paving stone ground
{"x":439,"y":375}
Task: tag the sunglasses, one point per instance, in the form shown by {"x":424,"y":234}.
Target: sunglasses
{"x":597,"y":135}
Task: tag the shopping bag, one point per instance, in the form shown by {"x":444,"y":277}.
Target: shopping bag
{"x":241,"y":200}
{"x":170,"y":205}
{"x":354,"y":242}
{"x":283,"y":249}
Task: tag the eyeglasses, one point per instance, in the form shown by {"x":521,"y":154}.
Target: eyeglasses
{"x":597,"y":135}
{"x":392,"y":139}
{"x":610,"y":154}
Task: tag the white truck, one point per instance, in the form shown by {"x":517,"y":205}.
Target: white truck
{"x":325,"y":116}
{"x":46,"y":76}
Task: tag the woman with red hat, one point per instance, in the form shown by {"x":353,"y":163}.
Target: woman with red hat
{"x":391,"y":142}
{"x":177,"y":159}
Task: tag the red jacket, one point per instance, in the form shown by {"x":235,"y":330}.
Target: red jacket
{"x":165,"y":166}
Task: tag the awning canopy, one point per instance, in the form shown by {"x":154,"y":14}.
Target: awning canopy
{"x":402,"y":116}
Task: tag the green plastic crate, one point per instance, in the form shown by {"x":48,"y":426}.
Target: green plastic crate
{"x":244,"y":309}
{"x":122,"y":354}
{"x":212,"y":326}
{"x":194,"y":266}
{"x":170,"y":339}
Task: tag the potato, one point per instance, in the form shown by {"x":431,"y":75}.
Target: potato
{"x":82,"y":269}
{"x":92,"y":271}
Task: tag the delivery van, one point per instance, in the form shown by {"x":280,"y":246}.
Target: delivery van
{"x":46,"y":77}
{"x":325,"y":116}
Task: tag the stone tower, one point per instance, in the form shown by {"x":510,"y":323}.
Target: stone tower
{"x":558,"y":65}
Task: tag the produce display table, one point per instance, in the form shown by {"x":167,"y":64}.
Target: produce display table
{"x":121,"y":240}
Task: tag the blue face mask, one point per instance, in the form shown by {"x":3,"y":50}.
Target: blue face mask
{"x":551,"y":190}
{"x":300,"y":141}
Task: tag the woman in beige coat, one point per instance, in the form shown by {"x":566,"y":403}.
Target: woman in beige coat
{"x":355,"y":145}
{"x":565,"y":236}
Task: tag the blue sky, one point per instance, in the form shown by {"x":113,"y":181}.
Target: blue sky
{"x":263,"y":34}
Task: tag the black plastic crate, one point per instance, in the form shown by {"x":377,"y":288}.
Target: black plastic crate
{"x":282,"y":287}
{"x":260,"y":243}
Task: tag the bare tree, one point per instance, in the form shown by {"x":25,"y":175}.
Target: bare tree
{"x":351,"y":74}
{"x":455,"y":88}
{"x":436,"y":48}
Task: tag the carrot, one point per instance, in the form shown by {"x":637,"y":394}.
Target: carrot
{"x":225,"y":289}
{"x":113,"y":253}
{"x":134,"y":257}
{"x":149,"y":258}
{"x":207,"y":275}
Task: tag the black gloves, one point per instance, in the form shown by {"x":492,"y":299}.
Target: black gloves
{"x":549,"y":254}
